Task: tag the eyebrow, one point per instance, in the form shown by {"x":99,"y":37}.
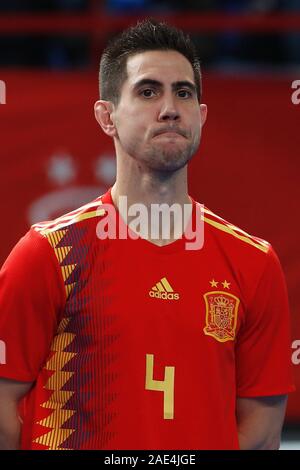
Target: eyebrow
{"x":158,"y":84}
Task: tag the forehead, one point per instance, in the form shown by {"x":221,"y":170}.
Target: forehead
{"x":166,"y":66}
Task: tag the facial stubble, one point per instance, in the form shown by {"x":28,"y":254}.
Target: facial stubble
{"x":165,"y":156}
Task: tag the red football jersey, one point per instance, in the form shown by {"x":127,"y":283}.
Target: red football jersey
{"x":136,"y":346}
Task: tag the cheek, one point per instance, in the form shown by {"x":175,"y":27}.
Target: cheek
{"x":196,"y":123}
{"x":135,"y":121}
{"x":131,"y":131}
{"x":133,"y":125}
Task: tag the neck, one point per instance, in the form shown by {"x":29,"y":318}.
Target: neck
{"x":146,"y":187}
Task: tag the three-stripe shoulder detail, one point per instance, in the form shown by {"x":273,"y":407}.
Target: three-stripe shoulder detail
{"x":220,"y":224}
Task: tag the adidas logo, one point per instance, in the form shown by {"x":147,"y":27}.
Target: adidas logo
{"x":163,"y":290}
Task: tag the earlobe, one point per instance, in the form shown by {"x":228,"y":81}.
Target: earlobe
{"x":103,"y":114}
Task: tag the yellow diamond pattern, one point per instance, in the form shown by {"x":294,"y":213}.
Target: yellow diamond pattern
{"x":56,"y":436}
{"x":54,"y":238}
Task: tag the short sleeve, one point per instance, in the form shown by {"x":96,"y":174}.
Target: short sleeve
{"x":31,"y":300}
{"x":263,"y":348}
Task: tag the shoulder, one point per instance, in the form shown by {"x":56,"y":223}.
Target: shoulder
{"x":233,"y":236}
{"x":251,"y":258}
{"x":70,"y":238}
{"x":83,"y":215}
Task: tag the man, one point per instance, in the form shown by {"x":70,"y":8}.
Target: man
{"x":127,"y":341}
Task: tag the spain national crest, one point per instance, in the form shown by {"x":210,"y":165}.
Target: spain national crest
{"x":221,"y":315}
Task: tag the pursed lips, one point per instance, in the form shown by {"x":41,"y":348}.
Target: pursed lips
{"x":170,"y":131}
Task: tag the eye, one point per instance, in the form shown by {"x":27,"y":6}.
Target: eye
{"x":184,"y":93}
{"x":147,"y":93}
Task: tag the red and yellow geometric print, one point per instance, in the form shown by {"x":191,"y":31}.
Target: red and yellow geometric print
{"x":61,"y":253}
{"x":58,"y":399}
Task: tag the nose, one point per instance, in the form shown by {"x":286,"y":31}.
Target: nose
{"x":168,"y":111}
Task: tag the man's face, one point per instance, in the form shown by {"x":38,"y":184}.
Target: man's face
{"x":158,"y":118}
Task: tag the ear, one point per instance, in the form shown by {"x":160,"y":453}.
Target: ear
{"x":203,"y":113}
{"x":103,"y":114}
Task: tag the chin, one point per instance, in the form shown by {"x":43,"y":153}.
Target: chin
{"x":167,"y":158}
{"x":169,"y":166}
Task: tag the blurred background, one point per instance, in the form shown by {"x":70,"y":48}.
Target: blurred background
{"x":54,"y":157}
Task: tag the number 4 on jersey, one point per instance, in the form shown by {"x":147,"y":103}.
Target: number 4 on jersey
{"x":166,"y":386}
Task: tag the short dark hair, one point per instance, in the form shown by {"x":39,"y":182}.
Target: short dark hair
{"x":147,"y":35}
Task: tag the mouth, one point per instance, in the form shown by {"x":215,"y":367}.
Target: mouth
{"x":169,"y":134}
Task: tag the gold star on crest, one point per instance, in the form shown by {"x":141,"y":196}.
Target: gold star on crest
{"x":226,"y":284}
{"x":213,"y":283}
